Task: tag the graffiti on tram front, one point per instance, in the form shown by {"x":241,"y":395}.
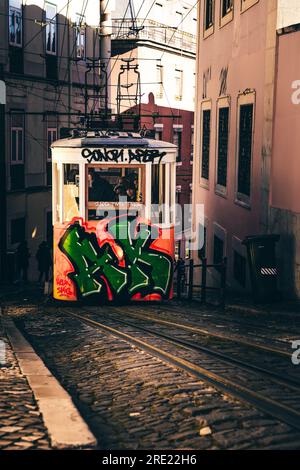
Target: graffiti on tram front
{"x":116,"y":267}
{"x":139,"y":155}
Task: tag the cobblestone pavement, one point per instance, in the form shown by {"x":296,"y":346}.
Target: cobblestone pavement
{"x":134,"y":400}
{"x":21,"y":425}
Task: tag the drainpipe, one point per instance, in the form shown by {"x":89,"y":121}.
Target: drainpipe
{"x":3,"y":221}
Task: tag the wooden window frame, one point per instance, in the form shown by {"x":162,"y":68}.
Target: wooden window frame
{"x":246,"y":4}
{"x":228,"y":17}
{"x":210,"y":30}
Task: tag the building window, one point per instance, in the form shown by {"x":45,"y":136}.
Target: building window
{"x":177,"y":139}
{"x":245,"y":135}
{"x":192,"y":144}
{"x":245,"y":4}
{"x":51,"y":28}
{"x":160,"y":81}
{"x":17,"y":150}
{"x":222,"y":146}
{"x":227,"y":6}
{"x":206,"y":116}
{"x":226,"y":13}
{"x":218,"y":251}
{"x":17,"y":230}
{"x":15,"y":24}
{"x":51,"y":137}
{"x":209,"y":17}
{"x":17,"y":146}
{"x":178,"y":84}
{"x":158,"y":129}
{"x":80,"y":37}
{"x":239,"y":268}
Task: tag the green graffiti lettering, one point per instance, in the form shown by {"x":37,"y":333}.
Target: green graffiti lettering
{"x":89,"y":263}
{"x":149,"y":268}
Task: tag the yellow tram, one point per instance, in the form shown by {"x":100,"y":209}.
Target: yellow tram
{"x":113,"y":194}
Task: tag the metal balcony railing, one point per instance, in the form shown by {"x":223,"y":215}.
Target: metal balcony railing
{"x":152,"y":31}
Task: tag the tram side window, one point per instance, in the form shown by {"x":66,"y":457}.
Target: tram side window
{"x":71,"y":191}
{"x":158,"y":192}
{"x":108,"y":185}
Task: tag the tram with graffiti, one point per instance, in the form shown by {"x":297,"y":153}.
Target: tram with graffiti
{"x":112,"y":218}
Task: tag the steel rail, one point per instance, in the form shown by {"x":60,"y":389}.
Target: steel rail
{"x":265,"y":404}
{"x":284,"y":381}
{"x":202,"y":331}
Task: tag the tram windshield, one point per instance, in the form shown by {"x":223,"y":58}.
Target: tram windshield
{"x":109,"y":186}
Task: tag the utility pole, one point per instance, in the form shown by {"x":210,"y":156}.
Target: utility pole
{"x":3,"y":219}
{"x":105,"y":55}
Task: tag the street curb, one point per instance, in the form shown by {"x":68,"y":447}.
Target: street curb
{"x":65,"y":426}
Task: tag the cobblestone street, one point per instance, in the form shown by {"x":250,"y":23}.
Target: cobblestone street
{"x":132,"y":399}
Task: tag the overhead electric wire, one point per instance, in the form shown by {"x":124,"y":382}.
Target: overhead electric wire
{"x":82,"y":13}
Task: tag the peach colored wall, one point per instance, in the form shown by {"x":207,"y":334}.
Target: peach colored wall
{"x":286,"y":142}
{"x":240,"y":46}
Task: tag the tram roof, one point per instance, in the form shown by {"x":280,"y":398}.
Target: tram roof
{"x":121,"y":139}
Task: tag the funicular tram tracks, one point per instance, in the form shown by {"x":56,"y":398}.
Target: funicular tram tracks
{"x":255,"y":388}
{"x":258,"y":331}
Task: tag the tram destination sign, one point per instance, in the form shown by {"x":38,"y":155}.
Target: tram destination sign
{"x":128,"y":155}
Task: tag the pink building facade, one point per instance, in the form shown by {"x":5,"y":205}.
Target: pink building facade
{"x":285,"y":168}
{"x":234,"y":127}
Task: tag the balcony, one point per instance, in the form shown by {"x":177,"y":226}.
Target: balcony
{"x":156,"y":32}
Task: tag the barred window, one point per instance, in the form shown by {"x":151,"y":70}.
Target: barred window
{"x":222,"y":154}
{"x":206,"y":117}
{"x":245,"y":149}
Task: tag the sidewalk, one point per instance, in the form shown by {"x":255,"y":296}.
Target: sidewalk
{"x":35,"y":410}
{"x":21,"y":425}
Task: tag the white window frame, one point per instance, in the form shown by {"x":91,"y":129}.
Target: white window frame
{"x":15,"y":9}
{"x":17,"y":129}
{"x":52,"y":25}
{"x":52,"y":131}
{"x":158,"y":128}
{"x":179,"y":81}
{"x":160,"y":80}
